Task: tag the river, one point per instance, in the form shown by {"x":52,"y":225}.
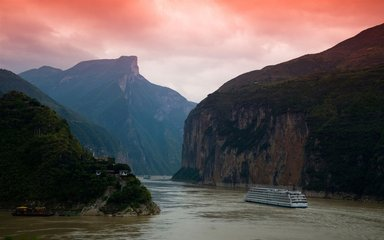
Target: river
{"x":194,"y":212}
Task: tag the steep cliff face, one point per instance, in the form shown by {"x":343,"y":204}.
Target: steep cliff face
{"x":252,"y":146}
{"x":319,"y":125}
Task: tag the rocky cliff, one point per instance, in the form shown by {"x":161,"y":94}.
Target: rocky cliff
{"x":314,"y":122}
{"x":255,"y":147}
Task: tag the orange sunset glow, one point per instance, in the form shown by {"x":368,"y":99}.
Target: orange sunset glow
{"x":192,"y":46}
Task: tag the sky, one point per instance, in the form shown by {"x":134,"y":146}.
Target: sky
{"x":191,"y":46}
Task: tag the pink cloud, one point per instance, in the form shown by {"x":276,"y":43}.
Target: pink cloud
{"x":199,"y":43}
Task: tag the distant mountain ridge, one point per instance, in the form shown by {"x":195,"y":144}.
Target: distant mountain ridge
{"x":367,"y":46}
{"x":147,"y":119}
{"x":316,"y":122}
{"x":89,"y":134}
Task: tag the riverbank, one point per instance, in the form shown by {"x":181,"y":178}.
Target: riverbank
{"x":93,"y":210}
{"x":127,"y":197}
{"x":308,"y":193}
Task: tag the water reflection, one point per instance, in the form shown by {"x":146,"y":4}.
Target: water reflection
{"x":192,"y":212}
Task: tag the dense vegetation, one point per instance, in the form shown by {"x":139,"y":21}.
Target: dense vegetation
{"x":132,"y":194}
{"x":348,"y":133}
{"x":39,"y":156}
{"x":41,"y":161}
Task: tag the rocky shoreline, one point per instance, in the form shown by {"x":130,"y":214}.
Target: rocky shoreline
{"x":96,"y":209}
{"x":99,"y":207}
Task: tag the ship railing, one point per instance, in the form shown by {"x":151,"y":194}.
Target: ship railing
{"x":282,"y":187}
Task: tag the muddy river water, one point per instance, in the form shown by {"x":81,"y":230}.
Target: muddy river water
{"x":194,"y":212}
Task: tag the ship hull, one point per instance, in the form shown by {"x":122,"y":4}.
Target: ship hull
{"x":276,"y":197}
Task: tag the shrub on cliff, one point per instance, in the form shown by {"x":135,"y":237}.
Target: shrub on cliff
{"x":133,"y":194}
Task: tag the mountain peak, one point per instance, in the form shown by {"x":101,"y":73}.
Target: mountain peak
{"x":127,"y":58}
{"x":49,"y":68}
{"x":131,"y":61}
{"x":147,"y":119}
{"x":122,"y":65}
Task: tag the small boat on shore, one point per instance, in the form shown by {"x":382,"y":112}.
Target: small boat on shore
{"x":32,"y":212}
{"x":277,"y":197}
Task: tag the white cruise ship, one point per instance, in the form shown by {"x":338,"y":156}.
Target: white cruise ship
{"x":278,"y":197}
